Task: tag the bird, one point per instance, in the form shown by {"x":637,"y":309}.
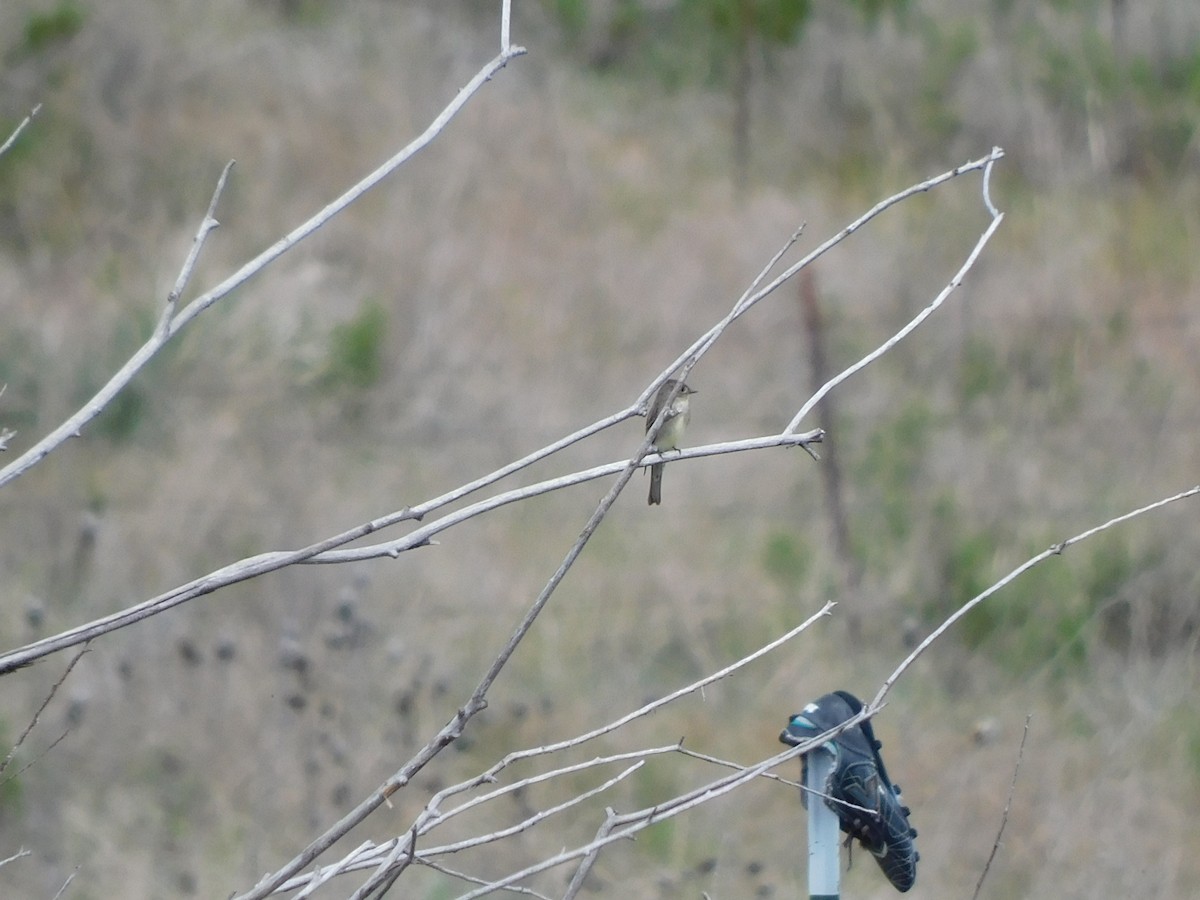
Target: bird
{"x":671,"y":433}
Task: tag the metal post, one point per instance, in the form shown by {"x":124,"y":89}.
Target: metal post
{"x":823,"y":859}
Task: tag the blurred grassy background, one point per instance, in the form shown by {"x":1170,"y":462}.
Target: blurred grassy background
{"x":576,"y":226}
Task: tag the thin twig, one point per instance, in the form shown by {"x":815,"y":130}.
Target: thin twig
{"x":12,"y":138}
{"x":326,"y":551}
{"x":997,"y":217}
{"x":537,"y":817}
{"x":747,"y":302}
{"x":306,"y":229}
{"x":474,"y":879}
{"x":997,"y":153}
{"x":435,"y":819}
{"x":1055,"y":550}
{"x":321,"y":876}
{"x":589,"y":860}
{"x":729,"y":764}
{"x":477,"y":701}
{"x":1007,"y":806}
{"x":207,"y":224}
{"x":18,"y":855}
{"x":242,"y":570}
{"x":368,"y":854}
{"x":363,"y":859}
{"x":390,"y":869}
{"x":674,"y":695}
{"x":254,"y":566}
{"x":62,"y":890}
{"x":41,"y":709}
{"x":421,"y":537}
{"x":21,"y":771}
{"x":393,"y":850}
{"x":724,"y":763}
{"x":628,"y":824}
{"x":75,"y":423}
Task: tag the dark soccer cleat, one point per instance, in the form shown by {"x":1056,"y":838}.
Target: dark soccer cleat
{"x":859,"y":779}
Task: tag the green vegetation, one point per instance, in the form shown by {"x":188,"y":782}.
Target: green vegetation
{"x":981,"y":372}
{"x":1186,"y":722}
{"x":949,"y":48}
{"x":56,"y":26}
{"x":124,"y":416}
{"x":356,"y":350}
{"x":892,"y":463}
{"x":787,"y":559}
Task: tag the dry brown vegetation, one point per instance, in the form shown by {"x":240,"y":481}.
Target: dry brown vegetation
{"x":527,"y":274}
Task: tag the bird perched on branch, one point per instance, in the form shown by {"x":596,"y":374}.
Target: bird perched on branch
{"x":671,"y":433}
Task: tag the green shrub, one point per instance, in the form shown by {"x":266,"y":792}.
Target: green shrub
{"x":124,"y":414}
{"x":356,"y":350}
{"x":573,"y":15}
{"x":59,"y":24}
{"x":893,"y":461}
{"x":787,"y":558}
{"x":948,"y":49}
{"x":980,"y":372}
{"x":128,"y":411}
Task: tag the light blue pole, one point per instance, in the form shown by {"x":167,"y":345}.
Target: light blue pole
{"x":823,"y":859}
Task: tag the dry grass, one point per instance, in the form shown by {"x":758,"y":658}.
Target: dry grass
{"x":536,"y":265}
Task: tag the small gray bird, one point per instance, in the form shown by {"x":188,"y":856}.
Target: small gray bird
{"x":671,"y":433}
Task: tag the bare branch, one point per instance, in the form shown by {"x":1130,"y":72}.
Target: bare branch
{"x":1055,"y":550}
{"x":231,"y":574}
{"x":728,"y":764}
{"x":628,"y":824}
{"x":208,"y":223}
{"x":430,"y":819}
{"x":589,"y":860}
{"x":997,"y":153}
{"x":321,"y":552}
{"x":537,"y":817}
{"x":746,"y":302}
{"x":997,"y":217}
{"x":41,"y":709}
{"x":359,"y":858}
{"x":1007,"y":806}
{"x":325,"y":551}
{"x":12,"y":138}
{"x":18,"y":855}
{"x":321,"y":876}
{"x":74,"y":425}
{"x":505,"y":26}
{"x":422,"y":536}
{"x":62,"y":890}
{"x":368,"y":855}
{"x":391,"y":858}
{"x":254,"y":266}
{"x":439,"y":867}
{"x":669,"y":698}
